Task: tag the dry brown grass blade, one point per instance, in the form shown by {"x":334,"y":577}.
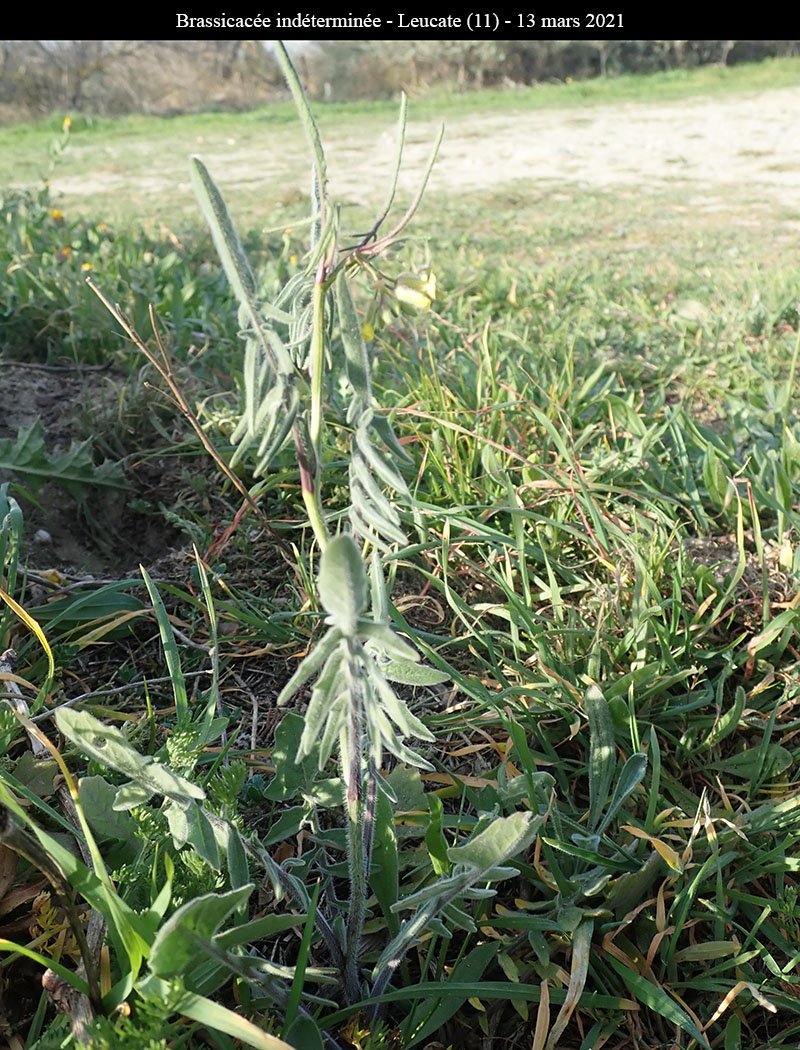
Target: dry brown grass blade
{"x":162,"y":366}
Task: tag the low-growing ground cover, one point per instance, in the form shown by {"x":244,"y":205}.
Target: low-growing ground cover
{"x":602,"y":555}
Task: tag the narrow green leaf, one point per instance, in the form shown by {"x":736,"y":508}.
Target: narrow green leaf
{"x":397,"y":710}
{"x":173,"y":953}
{"x":602,"y":752}
{"x":579,"y":970}
{"x":471,"y":968}
{"x":329,"y":685}
{"x":784,"y":621}
{"x":342,"y":583}
{"x":310,"y":666}
{"x":171,"y":654}
{"x":629,"y":779}
{"x":293,"y":1003}
{"x":306,"y":117}
{"x":68,"y":976}
{"x":214,"y":1016}
{"x":655,"y":998}
{"x":355,"y":351}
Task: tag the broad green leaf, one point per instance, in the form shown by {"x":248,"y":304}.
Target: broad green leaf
{"x":188,"y":823}
{"x":407,"y":673}
{"x":129,"y":796}
{"x":291,"y":775}
{"x":173,"y":952}
{"x":303,"y":1032}
{"x":384,"y":874}
{"x":97,"y":798}
{"x":504,"y":838}
{"x":406,"y":785}
{"x":770,"y":762}
{"x":37,"y":774}
{"x":288,"y":823}
{"x":435,"y":841}
{"x":74,"y":468}
{"x":733,"y":1033}
{"x":342,"y":583}
{"x":108,"y":746}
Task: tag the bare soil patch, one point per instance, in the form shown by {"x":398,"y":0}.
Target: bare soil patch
{"x":710,"y":144}
{"x":102,"y":533}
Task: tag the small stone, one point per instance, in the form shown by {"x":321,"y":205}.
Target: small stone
{"x":42,"y":536}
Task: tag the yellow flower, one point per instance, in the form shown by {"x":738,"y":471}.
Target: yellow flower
{"x":66,"y":123}
{"x":56,"y":214}
{"x":65,"y":252}
{"x":416,"y":290}
{"x":293,"y":260}
{"x":86,"y":266}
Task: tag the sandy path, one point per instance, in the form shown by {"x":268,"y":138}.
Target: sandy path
{"x":750,"y":141}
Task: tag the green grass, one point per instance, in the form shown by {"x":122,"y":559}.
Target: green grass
{"x":602,"y":413}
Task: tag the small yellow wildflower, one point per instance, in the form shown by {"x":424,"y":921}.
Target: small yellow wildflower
{"x":65,"y":252}
{"x":293,"y":260}
{"x":56,"y":214}
{"x":86,"y":266}
{"x":66,"y":124}
{"x":416,"y":290}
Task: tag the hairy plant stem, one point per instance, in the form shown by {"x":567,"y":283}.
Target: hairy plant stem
{"x":317,"y":359}
{"x":352,"y":770}
{"x":369,"y":813}
{"x":308,"y":464}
